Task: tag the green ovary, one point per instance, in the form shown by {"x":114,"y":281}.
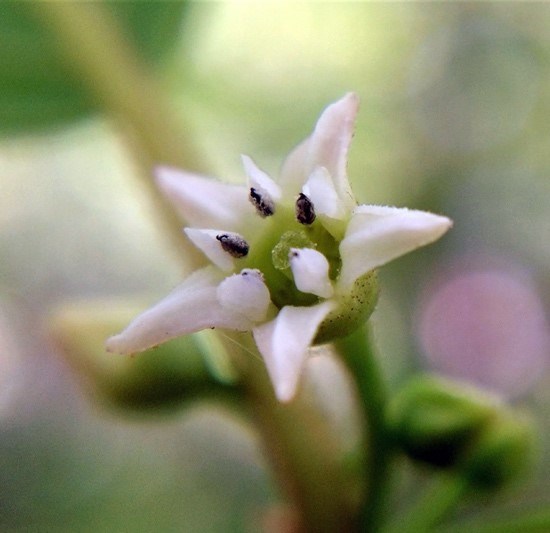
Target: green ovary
{"x":354,"y":308}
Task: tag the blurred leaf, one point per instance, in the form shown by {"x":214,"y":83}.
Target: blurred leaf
{"x":37,"y":91}
{"x":176,"y":372}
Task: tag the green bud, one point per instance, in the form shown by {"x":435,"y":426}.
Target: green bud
{"x":175,"y":372}
{"x":435,"y":421}
{"x":501,"y":452}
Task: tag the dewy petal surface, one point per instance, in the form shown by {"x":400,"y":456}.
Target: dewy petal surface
{"x":377,"y":234}
{"x":246,"y":293}
{"x":310,"y":270}
{"x":191,"y":307}
{"x":284,"y":343}
{"x":205,"y":202}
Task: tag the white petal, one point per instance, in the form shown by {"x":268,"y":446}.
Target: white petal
{"x":326,"y":147}
{"x":310,"y":270}
{"x":205,"y":240}
{"x":204,"y":202}
{"x":258,"y":179}
{"x":294,"y":172}
{"x":377,"y":234}
{"x":191,"y":307}
{"x":319,"y":188}
{"x":246,"y":293}
{"x":330,"y":142}
{"x":284,"y":344}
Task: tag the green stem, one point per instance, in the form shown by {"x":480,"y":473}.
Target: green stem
{"x":361,"y":361}
{"x":434,"y":505}
{"x":95,"y":50}
{"x":299,"y":444}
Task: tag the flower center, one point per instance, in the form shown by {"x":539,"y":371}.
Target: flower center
{"x":294,"y":249}
{"x":284,"y":229}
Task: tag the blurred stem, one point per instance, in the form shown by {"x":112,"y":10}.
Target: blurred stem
{"x":360,"y":359}
{"x":96,"y":50}
{"x":300,"y":445}
{"x":434,"y":505}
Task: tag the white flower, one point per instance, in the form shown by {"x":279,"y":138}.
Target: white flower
{"x":291,"y":260}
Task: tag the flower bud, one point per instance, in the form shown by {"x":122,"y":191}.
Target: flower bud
{"x":178,"y":371}
{"x":435,"y":421}
{"x":501,"y":452}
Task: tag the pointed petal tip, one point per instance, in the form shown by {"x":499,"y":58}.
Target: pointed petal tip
{"x":109,"y":345}
{"x":114,"y":345}
{"x":169,"y":180}
{"x":161,"y":168}
{"x":285,"y":393}
{"x":119,"y":345}
{"x":439,"y":223}
{"x":284,"y":343}
{"x":378,"y":234}
{"x":351,"y":97}
{"x":165,"y":173}
{"x":348,"y":104}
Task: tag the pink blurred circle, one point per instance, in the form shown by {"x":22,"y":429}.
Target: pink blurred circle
{"x":488,"y":327}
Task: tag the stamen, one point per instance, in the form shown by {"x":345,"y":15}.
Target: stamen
{"x":262,"y":202}
{"x":233,"y":244}
{"x":305,"y":212}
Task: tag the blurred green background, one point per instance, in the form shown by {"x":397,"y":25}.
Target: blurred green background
{"x":454,"y":119}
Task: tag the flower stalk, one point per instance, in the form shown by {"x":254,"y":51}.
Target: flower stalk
{"x":357,"y":353}
{"x":300,"y":445}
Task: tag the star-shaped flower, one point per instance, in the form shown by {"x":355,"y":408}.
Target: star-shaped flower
{"x":292,"y":260}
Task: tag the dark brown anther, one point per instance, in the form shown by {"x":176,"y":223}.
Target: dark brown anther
{"x":262,"y":202}
{"x":305,"y":212}
{"x":233,"y":244}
